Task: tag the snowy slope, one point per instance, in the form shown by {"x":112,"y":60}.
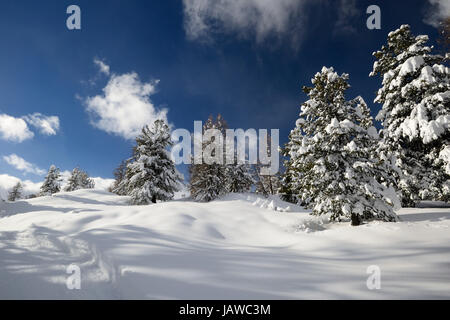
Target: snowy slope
{"x":240,"y":247}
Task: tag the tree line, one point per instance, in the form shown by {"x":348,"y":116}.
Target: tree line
{"x":79,"y":179}
{"x":337,"y":162}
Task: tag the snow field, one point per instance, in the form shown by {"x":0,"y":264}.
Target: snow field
{"x":238,"y":247}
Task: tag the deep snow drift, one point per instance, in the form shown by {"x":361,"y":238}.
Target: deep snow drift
{"x":240,"y":247}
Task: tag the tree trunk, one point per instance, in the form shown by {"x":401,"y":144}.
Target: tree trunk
{"x":154,"y":199}
{"x":356,"y":219}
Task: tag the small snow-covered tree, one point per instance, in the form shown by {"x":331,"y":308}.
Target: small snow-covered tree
{"x":238,"y":178}
{"x":52,"y":182}
{"x":79,"y":179}
{"x":119,"y":175}
{"x":285,"y":191}
{"x":16,"y":192}
{"x":209,"y":181}
{"x":415,"y":115}
{"x":289,"y":189}
{"x":333,"y":167}
{"x":151,"y":175}
{"x":266,"y":184}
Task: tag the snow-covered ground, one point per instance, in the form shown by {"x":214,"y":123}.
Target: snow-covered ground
{"x":240,"y":247}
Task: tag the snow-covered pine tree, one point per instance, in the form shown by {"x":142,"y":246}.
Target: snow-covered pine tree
{"x":151,"y":175}
{"x":119,"y":175}
{"x":285,"y":191}
{"x":288,"y":189}
{"x":415,"y":95}
{"x":52,"y":182}
{"x":79,"y":179}
{"x":267,"y":184}
{"x":16,"y":192}
{"x":238,"y":178}
{"x":209,"y":181}
{"x":333,"y":166}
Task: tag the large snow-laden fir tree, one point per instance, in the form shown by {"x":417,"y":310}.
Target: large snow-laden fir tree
{"x":151,"y":175}
{"x":52,"y":182}
{"x":333,"y":166}
{"x":79,"y":179}
{"x":415,"y":95}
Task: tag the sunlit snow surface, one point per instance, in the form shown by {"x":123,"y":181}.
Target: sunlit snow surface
{"x":239,"y":247}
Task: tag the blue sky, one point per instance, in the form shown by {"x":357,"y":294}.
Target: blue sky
{"x":246,"y":60}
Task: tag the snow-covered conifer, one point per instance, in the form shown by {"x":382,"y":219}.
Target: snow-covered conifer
{"x":79,"y":179}
{"x":209,"y":181}
{"x":333,"y":167}
{"x":288,"y":189}
{"x":16,"y":192}
{"x":266,"y":184}
{"x":151,"y":175}
{"x":238,"y":178}
{"x":119,"y":174}
{"x":415,"y":115}
{"x":52,"y":182}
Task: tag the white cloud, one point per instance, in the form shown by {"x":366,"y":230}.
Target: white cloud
{"x":102,"y":183}
{"x":104,"y":68}
{"x":65,"y":175}
{"x":47,"y":125}
{"x":17,"y":130}
{"x":125,"y":106}
{"x":23,"y":165}
{"x":258,"y":18}
{"x":440,"y":9}
{"x":7,"y":182}
{"x":14,"y":129}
